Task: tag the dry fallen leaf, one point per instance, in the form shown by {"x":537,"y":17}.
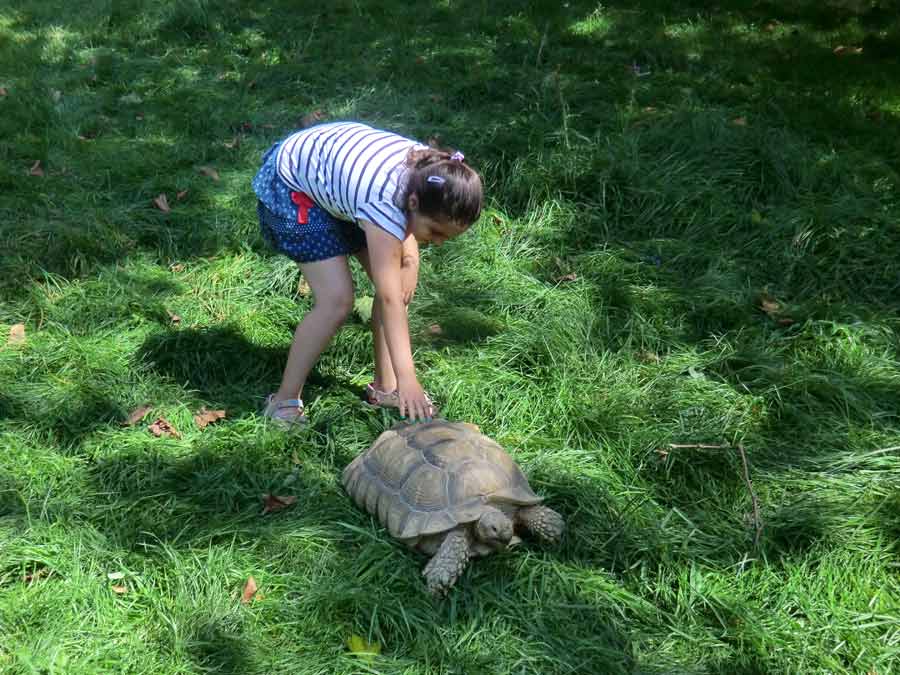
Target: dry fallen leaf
{"x":571,"y":276}
{"x":311,"y":118}
{"x":137,"y":415}
{"x":162,"y":427}
{"x":16,"y":334}
{"x":435,"y":329}
{"x":181,"y":195}
{"x":842,"y":50}
{"x":210,"y":172}
{"x":36,"y":169}
{"x":119,"y":589}
{"x":739,"y":121}
{"x":249,"y":591}
{"x":303,"y":287}
{"x":3,"y":91}
{"x":273,"y":503}
{"x":206,"y":417}
{"x":36,"y":575}
{"x":162,"y":203}
{"x":173,"y":317}
{"x":769,"y":305}
{"x":177,"y":267}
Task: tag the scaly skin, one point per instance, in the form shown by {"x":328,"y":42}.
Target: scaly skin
{"x":449,"y":562}
{"x":543,"y":522}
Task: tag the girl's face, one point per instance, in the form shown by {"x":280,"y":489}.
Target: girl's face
{"x":429,"y":230}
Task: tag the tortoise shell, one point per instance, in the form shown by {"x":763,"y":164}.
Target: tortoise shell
{"x":425,"y":479}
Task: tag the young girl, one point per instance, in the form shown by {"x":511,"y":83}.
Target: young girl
{"x":341,"y":189}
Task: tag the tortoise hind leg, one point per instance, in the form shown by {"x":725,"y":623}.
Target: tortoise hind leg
{"x":448,"y":563}
{"x":542,"y":521}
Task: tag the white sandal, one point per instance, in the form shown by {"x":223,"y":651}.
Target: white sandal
{"x":287,"y":413}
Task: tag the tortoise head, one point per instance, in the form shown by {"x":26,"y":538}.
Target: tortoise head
{"x":494,"y":528}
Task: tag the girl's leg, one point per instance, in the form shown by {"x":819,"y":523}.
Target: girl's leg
{"x":385,"y":379}
{"x":332,"y":287}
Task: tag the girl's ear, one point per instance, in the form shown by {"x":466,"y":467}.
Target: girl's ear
{"x":412,"y":202}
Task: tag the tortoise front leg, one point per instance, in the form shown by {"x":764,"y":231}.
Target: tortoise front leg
{"x":448,"y":563}
{"x":542,"y":521}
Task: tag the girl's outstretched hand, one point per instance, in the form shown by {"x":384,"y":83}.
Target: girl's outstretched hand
{"x":413,"y":401}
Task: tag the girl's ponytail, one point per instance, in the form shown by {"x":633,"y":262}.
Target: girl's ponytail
{"x":446,"y":186}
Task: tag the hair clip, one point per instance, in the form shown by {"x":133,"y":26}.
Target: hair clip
{"x":438,"y":180}
{"x":457,"y":156}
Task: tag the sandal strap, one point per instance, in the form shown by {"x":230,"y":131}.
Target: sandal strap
{"x":289,"y":403}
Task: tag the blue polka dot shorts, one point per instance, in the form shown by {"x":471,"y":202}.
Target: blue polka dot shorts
{"x":294,"y":225}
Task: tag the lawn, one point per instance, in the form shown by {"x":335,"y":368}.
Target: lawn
{"x":679,"y":313}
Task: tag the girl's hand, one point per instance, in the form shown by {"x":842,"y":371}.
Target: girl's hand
{"x":413,"y":401}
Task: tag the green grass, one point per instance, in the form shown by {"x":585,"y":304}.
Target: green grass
{"x":750,"y":163}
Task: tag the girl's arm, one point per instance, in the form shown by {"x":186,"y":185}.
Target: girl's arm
{"x":386,"y":256}
{"x":409,"y":276}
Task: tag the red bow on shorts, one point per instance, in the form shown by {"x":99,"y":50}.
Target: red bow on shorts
{"x":304,"y":203}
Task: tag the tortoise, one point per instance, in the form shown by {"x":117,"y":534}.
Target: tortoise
{"x":450,"y":492}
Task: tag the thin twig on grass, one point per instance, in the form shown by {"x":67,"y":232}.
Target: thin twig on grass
{"x":757,"y":518}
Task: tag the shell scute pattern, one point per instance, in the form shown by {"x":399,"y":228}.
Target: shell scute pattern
{"x":426,"y":479}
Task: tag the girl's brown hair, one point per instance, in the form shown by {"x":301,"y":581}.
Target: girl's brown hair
{"x":445,"y":185}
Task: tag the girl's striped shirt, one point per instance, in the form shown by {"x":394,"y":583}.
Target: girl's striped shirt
{"x":351,"y":170}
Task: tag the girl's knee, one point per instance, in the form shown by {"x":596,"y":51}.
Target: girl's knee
{"x":336,"y":304}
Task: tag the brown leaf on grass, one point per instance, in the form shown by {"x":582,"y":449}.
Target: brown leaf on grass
{"x":181,"y":195}
{"x":136,"y":415}
{"x":36,"y":575}
{"x":773,"y":309}
{"x":210,"y":172}
{"x":249,"y":591}
{"x":162,"y":427}
{"x":273,"y":503}
{"x":303,"y":287}
{"x":497,"y":219}
{"x":16,"y":334}
{"x":162,"y":203}
{"x":311,"y":118}
{"x":571,"y":276}
{"x":173,"y":317}
{"x":36,"y":169}
{"x":205,"y":417}
{"x":842,"y":50}
{"x":435,"y":329}
{"x":121,"y":590}
{"x":3,"y":91}
{"x":739,"y":121}
{"x":769,"y":305}
{"x":177,"y":267}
